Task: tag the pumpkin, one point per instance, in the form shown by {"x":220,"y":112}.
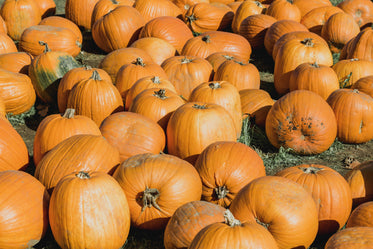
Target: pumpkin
{"x":95,"y":98}
{"x":131,"y":134}
{"x":303,"y":121}
{"x":79,"y":152}
{"x":361,"y":216}
{"x":6,"y":44}
{"x":316,"y":18}
{"x":57,"y":38}
{"x":359,"y":179}
{"x":23,"y":210}
{"x":17,"y":92}
{"x":361,"y":10}
{"x":147,"y":83}
{"x":14,"y":154}
{"x":359,"y":47}
{"x":225,"y":168}
{"x":306,"y":6}
{"x":254,"y":29}
{"x":19,"y":15}
{"x":351,"y":70}
{"x":129,"y":73}
{"x":16,"y":62}
{"x":330,"y":191}
{"x":80,"y":12}
{"x":118,"y":36}
{"x":241,"y":75}
{"x":77,"y":206}
{"x":188,"y":220}
{"x":47,"y":8}
{"x":155,"y":186}
{"x":117,"y":58}
{"x":187,"y":72}
{"x":222,"y":93}
{"x":284,"y":207}
{"x":195,"y":125}
{"x":156,"y":8}
{"x":58,"y":21}
{"x":217,"y":41}
{"x":157,"y":104}
{"x":354,"y":113}
{"x":317,"y":78}
{"x":2,"y":110}
{"x":218,"y":58}
{"x":157,"y":48}
{"x":47,"y":69}
{"x":102,"y":7}
{"x":352,"y":237}
{"x":295,"y":52}
{"x":338,"y":30}
{"x":246,"y":9}
{"x":57,"y":127}
{"x":365,"y":85}
{"x":255,"y":103}
{"x":284,"y":10}
{"x":168,"y":28}
{"x":73,"y":77}
{"x":203,"y":17}
{"x":184,"y":5}
{"x":246,"y":235}
{"x":3,"y":28}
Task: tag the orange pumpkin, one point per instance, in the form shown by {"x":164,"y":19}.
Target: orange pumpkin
{"x":316,"y":18}
{"x":361,"y":10}
{"x":58,"y":21}
{"x":102,"y":7}
{"x":351,"y":70}
{"x":284,"y":10}
{"x":47,"y":8}
{"x":246,"y":9}
{"x":361,"y":216}
{"x":6,"y":44}
{"x":352,"y":237}
{"x":359,"y":47}
{"x":16,"y":62}
{"x":156,"y":8}
{"x":365,"y":85}
{"x":80,"y":12}
{"x":306,"y":6}
{"x":218,"y":58}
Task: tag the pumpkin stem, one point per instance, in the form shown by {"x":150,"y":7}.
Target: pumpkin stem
{"x":354,"y":59}
{"x":206,"y":38}
{"x":345,"y":81}
{"x":262,"y":223}
{"x":214,"y":85}
{"x":221,"y":192}
{"x":186,"y":60}
{"x":259,"y":4}
{"x":156,"y":80}
{"x":139,"y":62}
{"x":239,"y":62}
{"x":114,"y":1}
{"x":149,"y":199}
{"x":69,"y":113}
{"x":315,"y":64}
{"x":198,"y":106}
{"x":83,"y":175}
{"x":95,"y":75}
{"x":87,"y":67}
{"x":228,"y":57}
{"x":46,"y":49}
{"x":308,"y":42}
{"x":355,"y":90}
{"x":290,"y":1}
{"x":191,"y":18}
{"x":310,"y":170}
{"x":230,"y":220}
{"x":160,"y":94}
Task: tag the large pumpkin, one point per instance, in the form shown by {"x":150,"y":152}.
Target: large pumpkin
{"x":351,"y":70}
{"x":246,"y":9}
{"x":92,"y":207}
{"x":155,"y":186}
{"x":80,"y":12}
{"x":58,"y":21}
{"x":303,"y":121}
{"x":156,"y":8}
{"x":360,"y":46}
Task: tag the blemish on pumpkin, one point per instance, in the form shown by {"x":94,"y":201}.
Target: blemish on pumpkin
{"x":361,"y":126}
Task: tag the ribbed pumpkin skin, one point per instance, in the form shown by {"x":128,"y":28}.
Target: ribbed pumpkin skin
{"x":95,"y":98}
{"x":360,"y":46}
{"x":315,"y":19}
{"x":80,"y":152}
{"x":227,"y":166}
{"x":361,"y":216}
{"x":19,"y":15}
{"x":195,"y":125}
{"x":131,"y":134}
{"x":13,"y":153}
{"x":244,"y":236}
{"x":17,"y":92}
{"x":157,"y":8}
{"x":58,"y":39}
{"x":57,"y":127}
{"x":16,"y":62}
{"x":157,"y":104}
{"x":364,"y":84}
{"x":245,"y":9}
{"x":23,"y":210}
{"x":3,"y":28}
{"x":329,"y":190}
{"x":351,"y":70}
{"x":307,"y":6}
{"x":103,"y":7}
{"x":46,"y":70}
{"x":89,"y":212}
{"x":176,"y":181}
{"x":47,"y":8}
{"x":218,"y":58}
{"x":285,"y":206}
{"x":354,"y":113}
{"x":80,"y":12}
{"x":73,"y":77}
{"x":188,"y":220}
{"x":6,"y":44}
{"x":284,"y":10}
{"x":301,"y":120}
{"x":361,"y":10}
{"x":58,"y":21}
{"x":352,"y":237}
{"x":361,"y":184}
{"x":109,"y":36}
{"x":222,"y":93}
{"x":169,"y":28}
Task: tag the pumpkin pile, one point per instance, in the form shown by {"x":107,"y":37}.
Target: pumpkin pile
{"x":148,"y":136}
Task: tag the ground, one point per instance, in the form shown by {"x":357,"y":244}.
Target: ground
{"x":274,"y":159}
